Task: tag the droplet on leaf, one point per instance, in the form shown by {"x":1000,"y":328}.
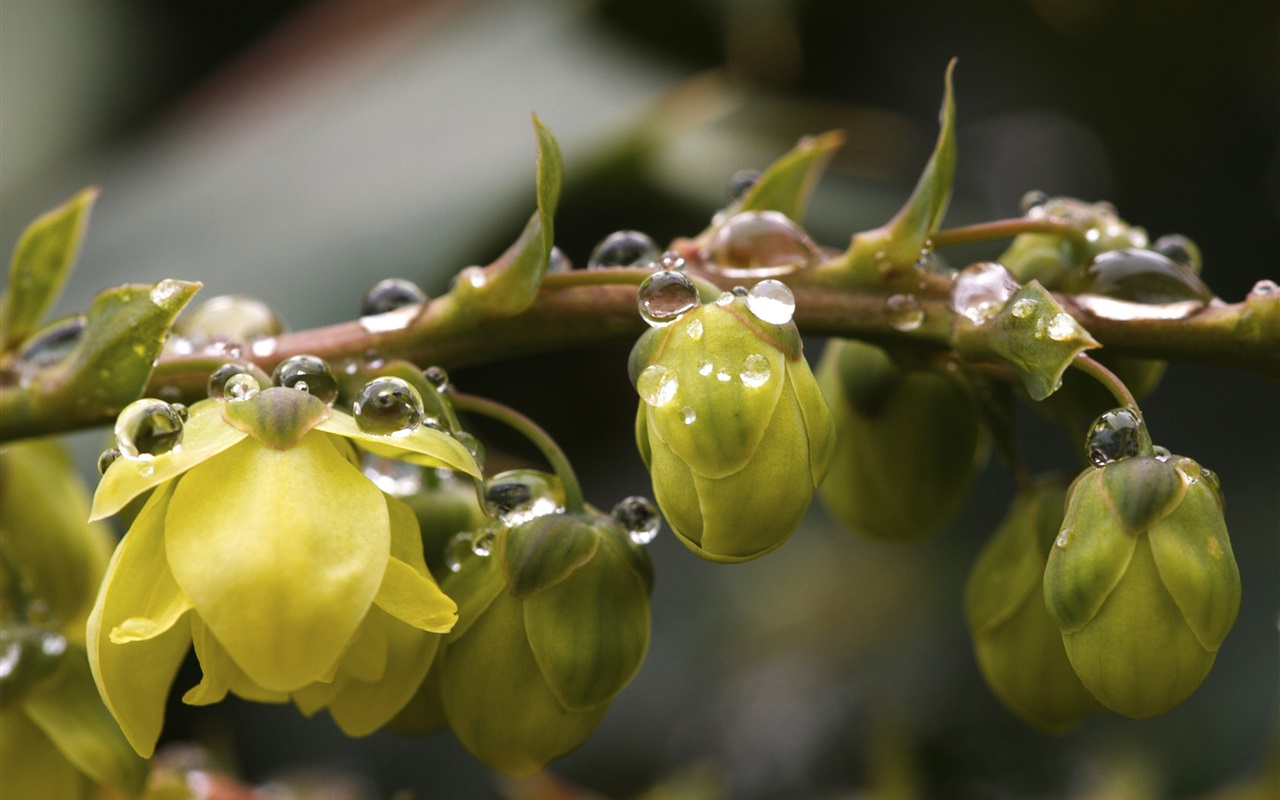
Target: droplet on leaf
{"x":146,"y":428}
{"x":307,"y":373}
{"x":981,"y":290}
{"x":388,"y":405}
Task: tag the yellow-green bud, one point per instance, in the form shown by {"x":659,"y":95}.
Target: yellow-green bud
{"x":1142,"y":581}
{"x":908,"y":443}
{"x":1018,"y":646}
{"x":732,"y":427}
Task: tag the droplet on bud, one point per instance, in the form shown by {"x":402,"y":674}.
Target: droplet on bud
{"x":1180,"y":250}
{"x":241,"y":386}
{"x":181,"y":410}
{"x":672,"y":260}
{"x":517,"y":496}
{"x":389,"y":295}
{"x":638,"y":518}
{"x":106,"y":459}
{"x":760,"y":243}
{"x":666,"y":296}
{"x":755,"y":371}
{"x":981,"y":290}
{"x":1114,"y":436}
{"x":146,"y":428}
{"x":1264,"y":289}
{"x":388,"y":405}
{"x":772,"y":301}
{"x":624,"y":249}
{"x":657,"y":385}
{"x":310,"y":374}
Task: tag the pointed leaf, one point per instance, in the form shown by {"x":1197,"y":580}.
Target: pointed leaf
{"x":42,"y":260}
{"x":788,"y":182}
{"x":424,"y":446}
{"x":544,"y":551}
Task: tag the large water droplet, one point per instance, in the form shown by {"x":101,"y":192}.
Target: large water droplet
{"x":1180,"y":250}
{"x":772,"y":301}
{"x":624,"y":249}
{"x":638,"y":518}
{"x":54,"y":342}
{"x":981,"y":290}
{"x":1061,"y":328}
{"x":395,"y":477}
{"x":1114,"y":436}
{"x":1139,"y":284}
{"x":666,"y":296}
{"x":306,"y":373}
{"x":146,"y":428}
{"x":240,"y":386}
{"x":905,"y":313}
{"x":694,"y":329}
{"x":760,"y":243}
{"x":657,"y":385}
{"x":741,"y":182}
{"x":389,"y":295}
{"x":1024,"y":307}
{"x":229,"y":317}
{"x":387,"y":405}
{"x":1264,"y":290}
{"x":106,"y":459}
{"x":755,"y":371}
{"x":519,"y":495}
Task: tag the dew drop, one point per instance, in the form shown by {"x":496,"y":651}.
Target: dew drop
{"x":389,"y":295}
{"x":981,"y":290}
{"x":229,"y":316}
{"x":517,"y":496}
{"x":665,"y":296}
{"x":54,"y":342}
{"x":1024,"y":307}
{"x":437,"y":377}
{"x":164,"y":291}
{"x":241,"y":386}
{"x":147,"y":428}
{"x":388,"y":405}
{"x":672,"y":260}
{"x":1064,"y":537}
{"x":1130,"y":284}
{"x":473,"y":446}
{"x":688,"y":415}
{"x":106,"y":459}
{"x":1264,"y":289}
{"x":905,"y":313}
{"x":772,"y":301}
{"x":755,"y":370}
{"x":1180,"y":250}
{"x":725,"y":298}
{"x":624,"y":249}
{"x":482,"y":543}
{"x":1161,"y":453}
{"x":558,"y":262}
{"x":705,"y":367}
{"x":760,"y":243}
{"x":395,"y":477}
{"x":1032,"y":202}
{"x":1062,"y":328}
{"x":723,"y":376}
{"x":310,"y":374}
{"x":456,"y":551}
{"x":694,"y":329}
{"x":739,"y":291}
{"x":638,"y":518}
{"x":741,"y":183}
{"x":657,"y":385}
{"x":1114,"y":436}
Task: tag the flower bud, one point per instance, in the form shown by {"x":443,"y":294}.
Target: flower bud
{"x":1142,"y":582}
{"x":908,"y":443}
{"x":732,"y":427}
{"x":1018,"y":645}
{"x":551,"y":627}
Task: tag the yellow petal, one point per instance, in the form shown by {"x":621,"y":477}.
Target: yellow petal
{"x":204,"y":435}
{"x":407,"y":591}
{"x":134,"y":678}
{"x":281,"y":553}
{"x":361,"y":707}
{"x":366,"y":658}
{"x":221,"y":675}
{"x":426,"y":446}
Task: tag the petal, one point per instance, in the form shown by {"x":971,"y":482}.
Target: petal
{"x":281,"y":553}
{"x":221,"y":675}
{"x":277,"y":417}
{"x":204,"y":435}
{"x":366,"y":658}
{"x":475,"y":586}
{"x":134,"y":678}
{"x":361,"y":707}
{"x":71,"y":713}
{"x":425,"y":446}
{"x":407,"y":590}
{"x":818,"y":422}
{"x":675,"y":492}
{"x":32,"y":765}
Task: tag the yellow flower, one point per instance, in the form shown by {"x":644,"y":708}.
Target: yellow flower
{"x":265,"y":547}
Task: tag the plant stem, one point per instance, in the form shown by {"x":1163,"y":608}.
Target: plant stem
{"x":1107,"y":378}
{"x":1004,"y":229}
{"x":573,"y":500}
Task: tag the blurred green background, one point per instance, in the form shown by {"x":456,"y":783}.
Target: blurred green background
{"x":300,"y":151}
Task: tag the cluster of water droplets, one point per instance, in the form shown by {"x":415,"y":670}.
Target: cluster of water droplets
{"x":981,"y":291}
{"x":1115,"y":435}
{"x":1099,"y":222}
{"x":1131,"y":283}
{"x":639,"y":518}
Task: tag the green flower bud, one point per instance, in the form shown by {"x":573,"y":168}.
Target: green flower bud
{"x":908,"y":443}
{"x":1142,"y":582}
{"x":1018,"y":646}
{"x":731,"y":425}
{"x":551,"y":627}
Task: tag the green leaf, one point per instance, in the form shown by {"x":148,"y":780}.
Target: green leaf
{"x":788,"y":182}
{"x":1032,"y":334}
{"x":42,"y":260}
{"x":544,"y":551}
{"x":71,"y":713}
{"x":509,"y":284}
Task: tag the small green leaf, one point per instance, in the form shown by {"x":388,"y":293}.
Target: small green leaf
{"x":42,"y":260}
{"x":277,"y":417}
{"x":788,"y":182}
{"x":544,"y":551}
{"x":1032,"y":333}
{"x":509,"y":284}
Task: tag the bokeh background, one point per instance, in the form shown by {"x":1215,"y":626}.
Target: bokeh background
{"x":300,"y":150}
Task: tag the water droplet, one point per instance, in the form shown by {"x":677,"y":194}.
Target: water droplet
{"x":389,"y":295}
{"x":665,"y":296}
{"x":181,"y":410}
{"x":705,"y":367}
{"x":638,"y":518}
{"x":739,"y":291}
{"x":1032,"y":202}
{"x":760,"y":243}
{"x":723,"y":376}
{"x":1180,"y":250}
{"x":517,"y":496}
{"x":624,"y":249}
{"x":725,"y":298}
{"x":395,"y":477}
{"x":437,"y":377}
{"x":772,"y":301}
{"x":229,"y":317}
{"x":694,"y":329}
{"x":387,"y":405}
{"x":311,"y":372}
{"x":146,"y":428}
{"x":930,"y":262}
{"x":482,"y":543}
{"x":54,"y":342}
{"x":1024,"y":307}
{"x":1161,"y":453}
{"x":1139,"y":284}
{"x":981,"y":290}
{"x":1264,"y":289}
{"x":395,"y":320}
{"x":1061,"y":328}
{"x":164,"y":291}
{"x":558,"y":261}
{"x":672,"y":260}
{"x":1211,"y":478}
{"x":106,"y":459}
{"x":1114,"y":436}
{"x":241,"y":386}
{"x":473,"y":446}
{"x":905,"y":313}
{"x":755,"y":371}
{"x":456,"y":551}
{"x":263,"y":346}
{"x":741,"y":183}
{"x":1064,"y":537}
{"x":657,"y":385}
{"x":689,"y":415}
